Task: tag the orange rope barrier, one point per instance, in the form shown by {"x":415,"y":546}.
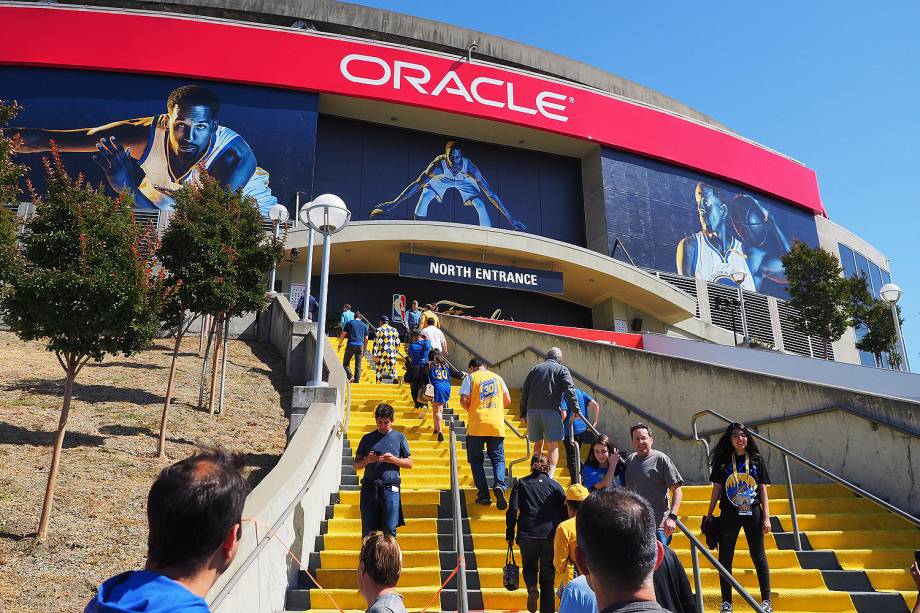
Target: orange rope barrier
{"x":460,"y":562}
{"x":299,"y":563}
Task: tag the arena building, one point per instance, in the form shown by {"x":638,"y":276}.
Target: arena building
{"x":479,"y":171}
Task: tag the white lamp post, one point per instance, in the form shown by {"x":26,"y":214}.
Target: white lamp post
{"x":327,"y":214}
{"x":308,"y":275}
{"x":278,"y":214}
{"x":738,"y":277}
{"x":891,"y":295}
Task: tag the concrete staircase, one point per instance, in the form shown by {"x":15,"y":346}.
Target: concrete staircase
{"x":855,"y":559}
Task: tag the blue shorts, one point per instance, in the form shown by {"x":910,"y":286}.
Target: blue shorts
{"x":544,"y":425}
{"x":441,"y":393}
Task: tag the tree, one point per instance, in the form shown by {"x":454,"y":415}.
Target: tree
{"x":875,"y":317}
{"x":10,"y":176}
{"x":84,"y":286}
{"x":818,"y":292}
{"x":216,"y":255}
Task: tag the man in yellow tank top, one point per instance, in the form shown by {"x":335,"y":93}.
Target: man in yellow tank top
{"x":484,"y":395}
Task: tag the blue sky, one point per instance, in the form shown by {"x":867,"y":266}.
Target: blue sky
{"x":835,"y":85}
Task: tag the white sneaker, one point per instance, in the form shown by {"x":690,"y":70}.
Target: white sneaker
{"x":767,"y":606}
{"x":726,"y":608}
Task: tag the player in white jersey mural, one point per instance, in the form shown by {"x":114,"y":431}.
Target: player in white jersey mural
{"x":715,"y":252}
{"x":451,"y":170}
{"x":150,"y":156}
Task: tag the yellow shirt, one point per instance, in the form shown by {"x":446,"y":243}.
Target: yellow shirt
{"x":430,"y":314}
{"x":564,"y":551}
{"x":486,"y":415}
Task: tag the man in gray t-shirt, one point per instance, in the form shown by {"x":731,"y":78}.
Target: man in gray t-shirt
{"x":389,"y":602}
{"x":653,"y":475}
{"x":379,"y":566}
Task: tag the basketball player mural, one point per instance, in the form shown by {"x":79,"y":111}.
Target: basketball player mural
{"x":451,"y":170}
{"x":732,"y":239}
{"x":150,"y":156}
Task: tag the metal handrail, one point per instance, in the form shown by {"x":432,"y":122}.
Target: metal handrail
{"x":647,"y":417}
{"x":818,"y":469}
{"x":525,"y":458}
{"x":881,"y":420}
{"x":695,"y":547}
{"x":462,"y":597}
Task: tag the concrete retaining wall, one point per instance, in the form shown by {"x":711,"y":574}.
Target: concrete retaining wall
{"x":883,"y":460}
{"x":292,"y":498}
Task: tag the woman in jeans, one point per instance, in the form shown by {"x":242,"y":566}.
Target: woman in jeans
{"x":739,"y":483}
{"x":536,"y":507}
{"x":416,"y":361}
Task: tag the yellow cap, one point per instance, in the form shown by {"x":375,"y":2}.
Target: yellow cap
{"x":576,"y":492}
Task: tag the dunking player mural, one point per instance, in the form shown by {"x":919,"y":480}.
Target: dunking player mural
{"x":150,"y":156}
{"x":451,"y":170}
{"x":736,"y":237}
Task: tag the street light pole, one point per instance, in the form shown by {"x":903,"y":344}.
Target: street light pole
{"x":738,"y":277}
{"x":327,"y":214}
{"x":891,"y":295}
{"x":308,"y":275}
{"x":278,"y":214}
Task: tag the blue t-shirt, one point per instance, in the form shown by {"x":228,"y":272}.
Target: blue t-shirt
{"x":356,"y":331}
{"x":413,"y":319}
{"x":392,"y":442}
{"x":146,"y":592}
{"x":418,"y":351}
{"x":439,"y":375}
{"x":577,"y":597}
{"x":591,"y":475}
{"x":583,"y":401}
{"x":346,"y":317}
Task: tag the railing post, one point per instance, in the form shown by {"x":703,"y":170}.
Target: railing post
{"x":796,"y":536}
{"x":462,"y":604}
{"x":697,"y":580}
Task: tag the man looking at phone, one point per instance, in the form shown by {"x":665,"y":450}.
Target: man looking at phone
{"x":381,"y":454}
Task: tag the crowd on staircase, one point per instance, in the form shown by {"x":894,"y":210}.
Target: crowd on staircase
{"x":599,"y":545}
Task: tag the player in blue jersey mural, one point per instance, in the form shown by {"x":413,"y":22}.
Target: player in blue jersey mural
{"x":716,"y":252}
{"x":149,"y":157}
{"x":451,"y":170}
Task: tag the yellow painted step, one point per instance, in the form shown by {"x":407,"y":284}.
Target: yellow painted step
{"x":348,"y":558}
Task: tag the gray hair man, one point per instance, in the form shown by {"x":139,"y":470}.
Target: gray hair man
{"x":541,"y":397}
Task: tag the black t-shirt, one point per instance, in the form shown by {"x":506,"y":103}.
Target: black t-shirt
{"x":747,"y":483}
{"x":392,"y":442}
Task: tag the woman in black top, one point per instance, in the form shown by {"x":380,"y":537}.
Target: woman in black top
{"x":739,"y":483}
{"x":535,"y":508}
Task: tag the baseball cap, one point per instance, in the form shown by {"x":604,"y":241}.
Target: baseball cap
{"x":576,"y":492}
{"x":384,"y":318}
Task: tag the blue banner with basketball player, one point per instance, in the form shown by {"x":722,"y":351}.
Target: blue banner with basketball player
{"x":675,"y":220}
{"x":391,"y":173}
{"x":145,"y":136}
{"x":479,"y":273}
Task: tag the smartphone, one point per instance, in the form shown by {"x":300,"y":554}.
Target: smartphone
{"x":917,"y":557}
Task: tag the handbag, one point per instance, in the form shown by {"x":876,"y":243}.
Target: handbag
{"x":710,"y":529}
{"x":511,"y":572}
{"x":426,"y":394}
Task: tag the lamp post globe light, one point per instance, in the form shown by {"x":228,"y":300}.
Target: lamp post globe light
{"x":738,"y":277}
{"x":891,"y":295}
{"x":327,"y":214}
{"x":279,"y":215}
{"x":308,"y":274}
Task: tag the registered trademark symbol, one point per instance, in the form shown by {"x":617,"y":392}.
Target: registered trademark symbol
{"x":571,"y":99}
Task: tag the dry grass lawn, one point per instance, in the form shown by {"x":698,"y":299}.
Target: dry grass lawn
{"x":98,"y":523}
